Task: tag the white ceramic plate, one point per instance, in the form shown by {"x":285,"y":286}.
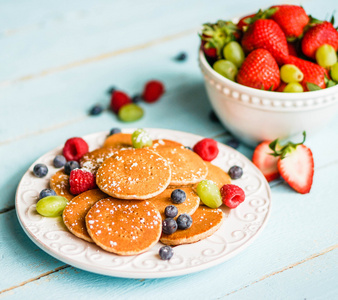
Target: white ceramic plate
{"x":240,"y":228}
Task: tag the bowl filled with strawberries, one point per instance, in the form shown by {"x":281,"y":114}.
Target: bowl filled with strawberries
{"x":271,"y":74}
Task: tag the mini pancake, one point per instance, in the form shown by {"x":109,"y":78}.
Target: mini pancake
{"x":93,"y":160}
{"x":118,"y":140}
{"x":187,"y":167}
{"x":75,"y":212}
{"x":165,"y":143}
{"x":134,"y":174}
{"x":189,"y":206}
{"x":60,"y":184}
{"x":124,"y":227}
{"x":205,"y":222}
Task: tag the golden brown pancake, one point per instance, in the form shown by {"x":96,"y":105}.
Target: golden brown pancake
{"x":118,"y":140}
{"x":162,"y":143}
{"x":93,"y":160}
{"x":59,"y":182}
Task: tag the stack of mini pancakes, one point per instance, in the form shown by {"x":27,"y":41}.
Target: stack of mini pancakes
{"x":124,"y":214}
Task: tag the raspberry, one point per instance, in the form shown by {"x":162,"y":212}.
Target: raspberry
{"x":232,"y":195}
{"x":118,"y":99}
{"x":75,"y":148}
{"x":153,"y":90}
{"x":207,"y":149}
{"x":81,"y":181}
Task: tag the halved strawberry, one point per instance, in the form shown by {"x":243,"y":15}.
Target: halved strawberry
{"x":295,"y":165}
{"x":264,"y":161}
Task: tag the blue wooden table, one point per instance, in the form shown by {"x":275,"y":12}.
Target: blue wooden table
{"x":58,"y":58}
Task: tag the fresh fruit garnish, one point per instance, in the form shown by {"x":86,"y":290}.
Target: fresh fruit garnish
{"x":140,"y":139}
{"x":235,"y":172}
{"x":75,"y":148}
{"x":326,"y":56}
{"x":209,"y":193}
{"x":266,"y":34}
{"x":166,"y":252}
{"x":290,"y":73}
{"x":184,"y":221}
{"x":182,"y":56}
{"x":178,"y":196}
{"x":118,"y":100}
{"x":293,"y":87}
{"x":264,"y":161}
{"x":153,"y":90}
{"x":233,"y":52}
{"x":259,"y":70}
{"x":59,"y":161}
{"x":130,"y":113}
{"x":46,"y":192}
{"x":171,"y":211}
{"x":226,"y":68}
{"x":233,"y":143}
{"x":169,"y":226}
{"x":51,"y":206}
{"x":114,"y":130}
{"x":136,"y":98}
{"x":334,"y":72}
{"x":40,"y":170}
{"x":318,"y":35}
{"x":295,"y":164}
{"x":96,"y":110}
{"x":81,"y":181}
{"x":70,"y":166}
{"x":232,"y":195}
{"x":207,"y":149}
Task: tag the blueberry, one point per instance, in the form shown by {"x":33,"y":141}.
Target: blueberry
{"x":233,"y":142}
{"x":169,"y":226}
{"x":213,"y":117}
{"x":166,"y":252}
{"x":171,"y":211}
{"x":114,"y":130}
{"x":189,"y":148}
{"x":111,"y":90}
{"x":59,"y":161}
{"x":182,"y":56}
{"x":40,"y":170}
{"x":46,"y":192}
{"x":235,"y":172}
{"x":136,"y":99}
{"x":71,"y":165}
{"x":96,"y":110}
{"x":178,"y":196}
{"x":184,"y":221}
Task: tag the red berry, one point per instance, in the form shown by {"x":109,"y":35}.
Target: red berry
{"x":75,"y":148}
{"x":207,"y":149}
{"x":118,"y":99}
{"x":81,"y":181}
{"x":232,"y":195}
{"x":153,"y":90}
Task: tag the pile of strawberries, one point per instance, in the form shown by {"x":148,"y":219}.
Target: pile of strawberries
{"x":282,"y":34}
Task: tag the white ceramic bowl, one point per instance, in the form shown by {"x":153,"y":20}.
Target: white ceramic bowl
{"x":254,"y":115}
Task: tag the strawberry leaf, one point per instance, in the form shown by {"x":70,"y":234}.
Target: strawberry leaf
{"x":313,"y":87}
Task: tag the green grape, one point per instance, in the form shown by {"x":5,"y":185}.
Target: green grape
{"x":51,"y":206}
{"x":130,"y":112}
{"x":233,"y":52}
{"x":290,"y":73}
{"x":141,"y":139}
{"x":209,"y":193}
{"x":293,"y":87}
{"x":334,"y":72}
{"x":326,"y":56}
{"x":226,"y":68}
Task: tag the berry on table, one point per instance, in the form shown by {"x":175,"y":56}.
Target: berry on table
{"x":51,"y":206}
{"x":169,"y":226}
{"x":178,"y":196}
{"x":213,"y":117}
{"x":182,"y":56}
{"x":153,"y":90}
{"x":118,"y":100}
{"x":40,"y":170}
{"x":70,"y":166}
{"x":136,"y":98}
{"x":207,"y":149}
{"x":184,"y":221}
{"x":232,"y":195}
{"x":130,"y":113}
{"x":46,"y":192}
{"x":59,"y":161}
{"x":96,"y":110}
{"x":209,"y":193}
{"x":111,"y":90}
{"x":75,"y":148}
{"x":235,"y":172}
{"x":81,"y":181}
{"x":233,"y":143}
{"x":114,"y":130}
{"x":166,"y":252}
{"x":171,"y":211}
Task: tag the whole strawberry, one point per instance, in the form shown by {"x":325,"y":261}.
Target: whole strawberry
{"x":291,"y":19}
{"x":318,"y":35}
{"x":259,"y":70}
{"x":313,"y":73}
{"x":266,"y":34}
